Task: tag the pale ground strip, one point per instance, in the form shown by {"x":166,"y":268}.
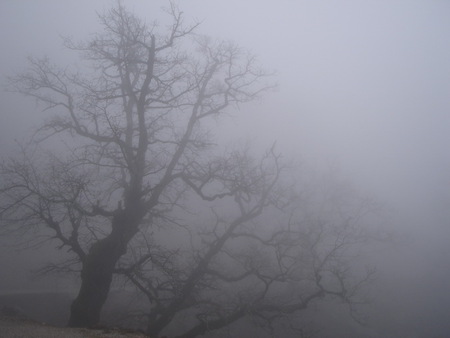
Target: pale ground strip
{"x":12,"y":327}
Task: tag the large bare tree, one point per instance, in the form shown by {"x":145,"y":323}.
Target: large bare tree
{"x":125,"y":174}
{"x":134,"y":125}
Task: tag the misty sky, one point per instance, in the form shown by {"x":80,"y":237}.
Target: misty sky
{"x":364,"y":84}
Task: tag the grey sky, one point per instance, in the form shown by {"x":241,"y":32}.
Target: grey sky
{"x":362,"y":83}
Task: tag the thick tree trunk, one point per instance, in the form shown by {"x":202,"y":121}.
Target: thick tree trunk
{"x":98,"y":268}
{"x":96,"y":277}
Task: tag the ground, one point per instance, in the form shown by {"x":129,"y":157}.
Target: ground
{"x":19,"y":327}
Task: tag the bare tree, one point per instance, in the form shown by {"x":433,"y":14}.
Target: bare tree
{"x":263,"y":254}
{"x":134,"y":126}
{"x":136,"y":187}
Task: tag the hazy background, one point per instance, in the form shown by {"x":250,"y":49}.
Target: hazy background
{"x":364,"y":85}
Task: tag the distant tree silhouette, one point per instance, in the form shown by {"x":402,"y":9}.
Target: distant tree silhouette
{"x":261,"y":254}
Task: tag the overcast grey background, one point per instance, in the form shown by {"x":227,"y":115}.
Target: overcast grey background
{"x":362,"y":84}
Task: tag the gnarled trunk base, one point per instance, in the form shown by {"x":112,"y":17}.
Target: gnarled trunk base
{"x":96,"y":278}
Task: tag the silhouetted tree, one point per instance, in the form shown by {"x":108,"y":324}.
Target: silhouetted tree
{"x":135,"y":186}
{"x":137,"y":122}
{"x":262,"y":254}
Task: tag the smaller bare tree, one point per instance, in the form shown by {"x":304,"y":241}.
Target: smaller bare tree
{"x":261,"y":255}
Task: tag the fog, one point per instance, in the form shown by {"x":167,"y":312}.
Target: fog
{"x":362,"y":85}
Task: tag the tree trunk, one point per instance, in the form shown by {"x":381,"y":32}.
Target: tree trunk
{"x":96,"y":277}
{"x":98,"y":269}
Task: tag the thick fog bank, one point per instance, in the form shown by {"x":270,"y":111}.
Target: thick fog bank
{"x":361,"y":85}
